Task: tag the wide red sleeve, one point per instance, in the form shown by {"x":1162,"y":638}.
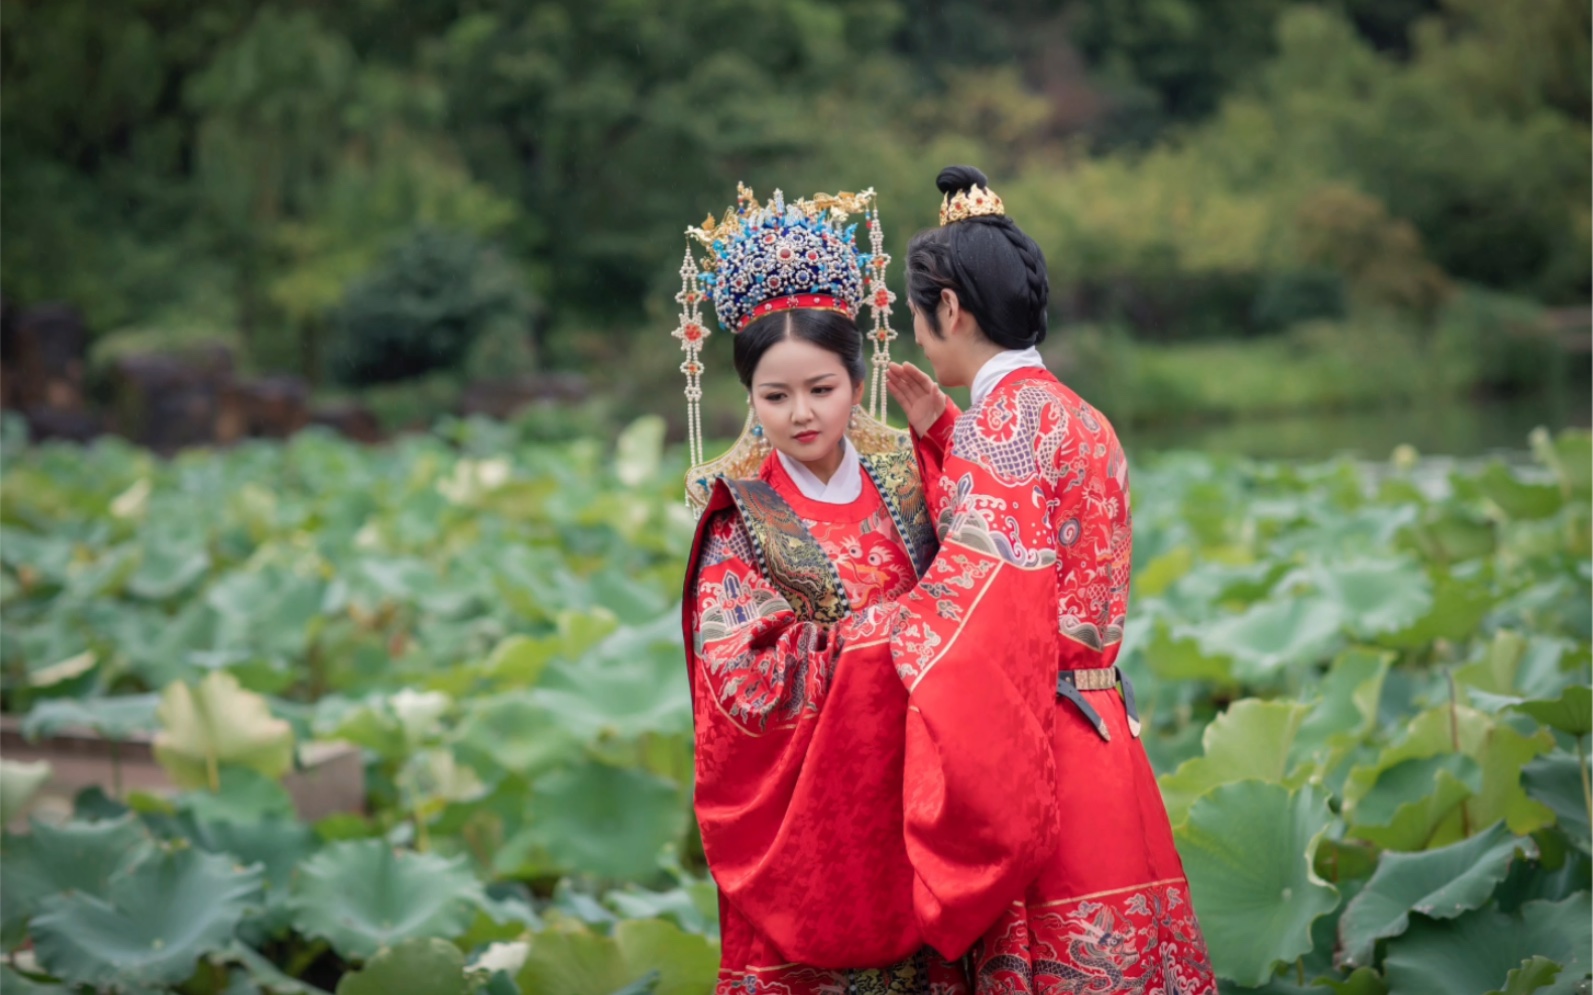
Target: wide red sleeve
{"x":932,"y":447}
{"x":976,"y":645}
{"x":799,"y":757}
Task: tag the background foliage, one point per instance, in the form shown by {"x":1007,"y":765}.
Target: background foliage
{"x":1194,"y":170}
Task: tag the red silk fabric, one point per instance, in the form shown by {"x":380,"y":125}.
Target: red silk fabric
{"x":908,"y":776}
{"x":799,"y":752}
{"x":1040,"y":850}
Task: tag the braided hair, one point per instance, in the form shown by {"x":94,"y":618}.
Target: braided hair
{"x":996,"y":271}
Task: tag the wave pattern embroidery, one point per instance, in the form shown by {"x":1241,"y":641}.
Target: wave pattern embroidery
{"x":1140,"y":941}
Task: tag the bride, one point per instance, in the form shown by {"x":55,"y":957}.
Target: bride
{"x":815,"y":515}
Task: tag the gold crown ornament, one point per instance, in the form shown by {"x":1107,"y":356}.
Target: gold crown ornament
{"x":782,"y":256}
{"x":975,"y":202}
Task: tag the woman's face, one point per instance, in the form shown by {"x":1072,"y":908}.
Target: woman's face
{"x":803,"y":397}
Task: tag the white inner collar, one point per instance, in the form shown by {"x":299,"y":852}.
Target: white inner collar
{"x":845,"y":484}
{"x":997,"y":367}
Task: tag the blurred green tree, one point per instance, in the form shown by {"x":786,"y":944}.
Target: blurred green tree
{"x":425,"y":304}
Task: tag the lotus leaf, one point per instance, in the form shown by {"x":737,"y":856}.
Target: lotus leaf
{"x":1534,"y":974}
{"x":1376,"y":596}
{"x":1460,"y":602}
{"x":686,"y":963}
{"x":1248,"y":849}
{"x":1252,"y":739}
{"x":1362,"y":981}
{"x":1177,"y":656}
{"x":519,"y":661}
{"x":78,"y":856}
{"x":277,"y":845}
{"x":607,"y":820}
{"x":1414,"y":799}
{"x":19,"y":782}
{"x":117,"y":718}
{"x":169,"y":566}
{"x":243,"y":796}
{"x":1514,"y":497}
{"x":362,"y":895}
{"x":628,"y":685}
{"x":1153,"y":580}
{"x":693,"y":908}
{"x":514,"y":733}
{"x":1273,"y":635}
{"x":1570,"y":456}
{"x":1439,"y":884}
{"x":421,"y":966}
{"x":13,"y":983}
{"x":218,"y":723}
{"x":1558,"y":780}
{"x":1344,"y":711}
{"x":154,"y":923}
{"x":1571,"y":712}
{"x":1499,"y":750}
{"x":632,"y":601}
{"x":1477,"y":952}
{"x":1515,"y":665}
{"x":569,"y":959}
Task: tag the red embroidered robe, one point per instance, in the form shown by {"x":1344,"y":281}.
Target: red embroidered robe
{"x":1039,"y":845}
{"x":799,"y":756}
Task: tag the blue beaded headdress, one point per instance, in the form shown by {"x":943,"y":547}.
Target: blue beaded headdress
{"x":783,"y":256}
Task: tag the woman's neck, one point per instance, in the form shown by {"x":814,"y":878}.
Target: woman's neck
{"x":825,"y":468}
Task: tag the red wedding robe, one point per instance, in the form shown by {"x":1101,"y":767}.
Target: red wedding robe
{"x":799,"y":753}
{"x":1005,"y":832}
{"x":1039,"y":846}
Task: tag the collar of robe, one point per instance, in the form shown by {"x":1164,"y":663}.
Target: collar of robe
{"x":997,"y":367}
{"x":844,"y":486}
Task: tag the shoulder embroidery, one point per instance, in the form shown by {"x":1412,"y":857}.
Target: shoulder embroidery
{"x":787,"y":553}
{"x":896,"y":477}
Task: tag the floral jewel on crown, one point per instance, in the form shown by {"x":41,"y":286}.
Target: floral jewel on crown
{"x":783,"y":256}
{"x":976,"y":201}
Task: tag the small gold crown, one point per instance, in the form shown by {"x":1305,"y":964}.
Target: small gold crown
{"x":976,"y":201}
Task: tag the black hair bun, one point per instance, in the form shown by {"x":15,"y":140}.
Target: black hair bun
{"x":960,"y":179}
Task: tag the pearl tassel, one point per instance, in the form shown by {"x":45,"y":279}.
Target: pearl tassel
{"x":880,"y":299}
{"x":692,"y":333}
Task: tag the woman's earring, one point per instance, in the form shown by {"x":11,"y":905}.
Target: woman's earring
{"x":852,"y":423}
{"x":757,"y":433}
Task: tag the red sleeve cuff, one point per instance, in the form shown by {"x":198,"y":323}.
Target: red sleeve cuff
{"x":939,"y":434}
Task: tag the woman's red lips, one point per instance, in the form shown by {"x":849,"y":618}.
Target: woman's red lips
{"x":806,"y":437}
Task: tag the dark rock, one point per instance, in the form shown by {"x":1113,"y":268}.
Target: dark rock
{"x":62,"y":425}
{"x":167,"y":404}
{"x":45,"y":350}
{"x":269,"y":408}
{"x":348,"y":419}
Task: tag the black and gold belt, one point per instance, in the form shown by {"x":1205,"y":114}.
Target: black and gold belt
{"x":1070,"y":682}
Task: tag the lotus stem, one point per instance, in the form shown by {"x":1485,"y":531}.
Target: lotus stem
{"x":1454,"y":742}
{"x":422,"y":835}
{"x":213,"y":772}
{"x":1581,"y":769}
